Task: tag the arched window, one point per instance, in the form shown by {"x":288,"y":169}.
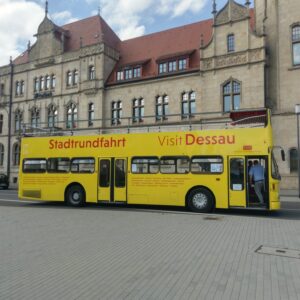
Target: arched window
{"x":36,"y":84}
{"x":52,"y":116}
{"x":72,"y":114}
{"x":230,"y":43}
{"x":53,"y":81}
{"x":48,"y":82}
{"x":18,"y":120}
{"x":92,"y":73}
{"x":75,"y":79}
{"x":16,"y":154}
{"x":293,"y":154}
{"x":188,"y":104}
{"x":69,"y":78}
{"x":231,"y":96}
{"x":35,"y":117}
{"x":1,"y":154}
{"x":296,"y":44}
{"x":91,"y":114}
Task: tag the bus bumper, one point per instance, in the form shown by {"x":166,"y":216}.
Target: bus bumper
{"x":275,"y":205}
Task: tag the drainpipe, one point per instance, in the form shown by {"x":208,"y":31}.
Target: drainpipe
{"x":9,"y":117}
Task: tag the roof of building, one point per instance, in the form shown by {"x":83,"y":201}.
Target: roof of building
{"x":147,"y":50}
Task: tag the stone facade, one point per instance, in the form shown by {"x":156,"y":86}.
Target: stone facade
{"x":260,"y":64}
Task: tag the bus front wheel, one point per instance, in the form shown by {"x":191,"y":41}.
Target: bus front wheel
{"x":75,"y":196}
{"x":201,"y":200}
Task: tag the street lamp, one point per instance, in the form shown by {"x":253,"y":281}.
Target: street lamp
{"x":297,"y":111}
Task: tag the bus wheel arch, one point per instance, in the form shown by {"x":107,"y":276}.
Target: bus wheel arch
{"x":75,"y":194}
{"x":200,"y":199}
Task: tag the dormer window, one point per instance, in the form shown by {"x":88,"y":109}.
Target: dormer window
{"x":182,"y":64}
{"x":163,"y":67}
{"x":230,"y":43}
{"x":172,"y":66}
{"x":129,"y":73}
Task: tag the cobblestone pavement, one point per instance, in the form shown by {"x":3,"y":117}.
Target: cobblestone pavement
{"x":54,"y":252}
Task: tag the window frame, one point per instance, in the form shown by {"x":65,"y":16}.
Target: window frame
{"x":188,"y":103}
{"x":80,"y":163}
{"x":295,"y":38}
{"x":139,"y":108}
{"x":34,"y":170}
{"x":116,"y":112}
{"x":91,"y":114}
{"x":147,"y":163}
{"x":71,"y":115}
{"x":230,"y":43}
{"x":231,"y":94}
{"x":162,"y":107}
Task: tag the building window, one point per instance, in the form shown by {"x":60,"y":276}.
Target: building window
{"x":52,"y":116}
{"x":293,"y":154}
{"x":91,"y":114}
{"x":35,"y":117}
{"x":172,"y":66}
{"x":75,"y":78}
{"x":72,"y":114}
{"x":91,"y":73}
{"x":137,"y":72}
{"x":138,"y":109}
{"x":231,"y":96}
{"x":1,"y":154}
{"x":16,"y":154}
{"x":2,"y":89}
{"x":188,"y":104}
{"x":230,"y":43}
{"x":22,"y":87}
{"x":163,"y":67}
{"x":1,"y":123}
{"x":120,"y":75}
{"x":18,"y":120}
{"x":296,"y":44}
{"x":17,"y":88}
{"x":42,"y":83}
{"x":182,"y":64}
{"x":53,"y":81}
{"x":128,"y":74}
{"x":162,"y":107}
{"x":48,"y":82}
{"x":36,"y":84}
{"x":69,"y":78}
{"x":116,"y":112}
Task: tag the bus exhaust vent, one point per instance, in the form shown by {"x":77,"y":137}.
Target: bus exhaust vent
{"x":285,"y":252}
{"x":32,"y":193}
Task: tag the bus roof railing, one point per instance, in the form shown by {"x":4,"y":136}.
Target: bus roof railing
{"x":171,"y":122}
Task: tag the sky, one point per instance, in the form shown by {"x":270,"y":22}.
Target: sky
{"x":19,"y":19}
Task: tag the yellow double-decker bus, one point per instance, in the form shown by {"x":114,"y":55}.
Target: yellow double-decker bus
{"x":199,"y":169}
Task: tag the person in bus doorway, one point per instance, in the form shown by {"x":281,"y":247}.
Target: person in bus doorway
{"x":257,"y":175}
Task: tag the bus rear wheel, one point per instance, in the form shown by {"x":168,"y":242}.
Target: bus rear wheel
{"x":201,"y":200}
{"x":75,"y":196}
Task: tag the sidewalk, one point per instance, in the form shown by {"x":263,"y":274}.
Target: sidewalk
{"x":289,"y":193}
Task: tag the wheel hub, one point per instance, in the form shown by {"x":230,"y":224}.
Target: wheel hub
{"x":200,"y":200}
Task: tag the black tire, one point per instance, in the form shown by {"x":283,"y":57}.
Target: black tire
{"x":75,"y":196}
{"x":201,"y":200}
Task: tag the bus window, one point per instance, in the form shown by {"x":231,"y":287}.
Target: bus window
{"x":237,"y":174}
{"x":58,"y":165}
{"x":173,"y":164}
{"x":206,"y":165}
{"x":183,"y":165}
{"x":104,"y":175}
{"x":120,"y":173}
{"x":83,"y":165}
{"x":145,"y":165}
{"x":35,"y":165}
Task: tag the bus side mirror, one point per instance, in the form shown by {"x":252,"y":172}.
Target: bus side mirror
{"x":282,"y":155}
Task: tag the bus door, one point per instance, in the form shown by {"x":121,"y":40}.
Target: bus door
{"x":112,"y":180}
{"x":237,"y":181}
